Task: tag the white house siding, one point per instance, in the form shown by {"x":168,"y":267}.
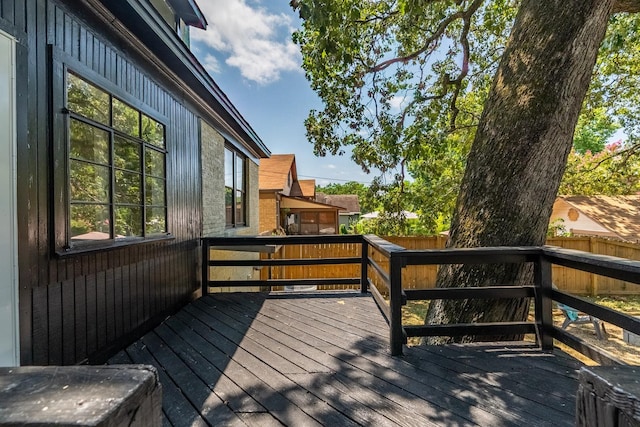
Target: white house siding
{"x":583,"y":225}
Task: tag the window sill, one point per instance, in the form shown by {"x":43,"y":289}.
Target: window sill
{"x":98,"y":246}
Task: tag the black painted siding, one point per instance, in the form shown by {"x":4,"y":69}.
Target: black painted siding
{"x":80,"y":307}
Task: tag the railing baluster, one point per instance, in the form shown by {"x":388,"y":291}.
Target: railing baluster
{"x":543,"y":302}
{"x":205,"y":266}
{"x":396,"y":337}
{"x":364,"y":267}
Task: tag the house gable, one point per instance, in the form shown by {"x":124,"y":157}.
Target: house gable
{"x":608,"y":216}
{"x":278,"y":173}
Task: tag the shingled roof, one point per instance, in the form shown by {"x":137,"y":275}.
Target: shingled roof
{"x":348,"y":202}
{"x":308,"y":187}
{"x":620,"y":214}
{"x":275,"y":170}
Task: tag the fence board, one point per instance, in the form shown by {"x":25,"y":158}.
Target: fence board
{"x":424,"y":276}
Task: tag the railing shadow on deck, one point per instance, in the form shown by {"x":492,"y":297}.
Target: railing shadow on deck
{"x":381,"y":264}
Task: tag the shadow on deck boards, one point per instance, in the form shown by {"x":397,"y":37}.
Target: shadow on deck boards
{"x":323,"y":359}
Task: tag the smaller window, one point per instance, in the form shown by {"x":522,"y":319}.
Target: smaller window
{"x":235,"y":188}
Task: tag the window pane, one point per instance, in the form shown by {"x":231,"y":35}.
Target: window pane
{"x":87,"y":100}
{"x":239,"y":173}
{"x":228,"y":205}
{"x":128,"y":188}
{"x":155,"y":191}
{"x":327,"y":217}
{"x":125,"y":118}
{"x":88,"y":142}
{"x":152,"y":131}
{"x":327,"y":222}
{"x":308,"y":217}
{"x":89,"y":222}
{"x":228,"y":168}
{"x":89,"y":182}
{"x":156,"y":220}
{"x":308,"y":228}
{"x":128,"y":221}
{"x":126,"y":153}
{"x":239,"y":207}
{"x":154,"y":163}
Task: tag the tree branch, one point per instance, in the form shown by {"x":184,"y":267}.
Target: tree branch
{"x":463,"y":14}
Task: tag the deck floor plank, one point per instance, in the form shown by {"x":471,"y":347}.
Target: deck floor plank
{"x":230,"y":393}
{"x":281,"y":359}
{"x":177,"y":410}
{"x":266,"y":362}
{"x":443,"y":393}
{"x":205,"y":340}
{"x":210,"y":406}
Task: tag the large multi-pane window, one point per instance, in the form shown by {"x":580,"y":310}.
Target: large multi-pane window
{"x":234,"y":188}
{"x":117,"y":174}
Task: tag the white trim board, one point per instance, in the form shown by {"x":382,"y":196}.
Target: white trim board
{"x":9,"y":328}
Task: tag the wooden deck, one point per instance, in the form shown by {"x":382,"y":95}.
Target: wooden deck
{"x":298,"y":360}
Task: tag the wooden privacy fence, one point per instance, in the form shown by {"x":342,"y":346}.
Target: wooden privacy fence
{"x":424,"y":276}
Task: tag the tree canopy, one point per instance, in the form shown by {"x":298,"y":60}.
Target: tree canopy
{"x":403,"y":85}
{"x":405,"y":81}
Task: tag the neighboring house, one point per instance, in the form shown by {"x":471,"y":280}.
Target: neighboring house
{"x":350,"y":211}
{"x":287,"y":203}
{"x":615,"y":217}
{"x":118,"y":153}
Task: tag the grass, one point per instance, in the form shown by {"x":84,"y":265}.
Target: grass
{"x":626,"y":304}
{"x":414,"y":313}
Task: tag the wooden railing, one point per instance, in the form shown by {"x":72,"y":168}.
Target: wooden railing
{"x":424,"y":276}
{"x":256,"y":243}
{"x":381,"y":265}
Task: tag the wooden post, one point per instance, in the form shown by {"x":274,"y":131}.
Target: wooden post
{"x":593,"y":276}
{"x":364,"y":266}
{"x":543,"y":302}
{"x":396,"y":336}
{"x":205,"y":266}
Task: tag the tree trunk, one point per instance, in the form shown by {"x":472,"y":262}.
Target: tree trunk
{"x":520,"y":150}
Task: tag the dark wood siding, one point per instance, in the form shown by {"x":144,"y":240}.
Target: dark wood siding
{"x":80,"y":307}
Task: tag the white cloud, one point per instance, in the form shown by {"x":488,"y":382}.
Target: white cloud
{"x":331,"y":166}
{"x":255,"y":40}
{"x":211,"y":64}
{"x":396,"y":102}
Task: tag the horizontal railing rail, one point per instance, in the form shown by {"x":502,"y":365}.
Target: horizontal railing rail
{"x":271,"y":244}
{"x":382,"y":263}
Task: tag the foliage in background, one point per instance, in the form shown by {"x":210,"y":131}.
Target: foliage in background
{"x":614,"y":171}
{"x":403,"y":84}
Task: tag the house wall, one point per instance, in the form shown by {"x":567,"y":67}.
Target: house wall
{"x":213,"y":223}
{"x":583,"y":225}
{"x":268,"y":211}
{"x":80,"y":306}
{"x":212,"y":153}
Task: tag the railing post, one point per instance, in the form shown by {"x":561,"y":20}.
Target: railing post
{"x":396,"y":336}
{"x":543,"y":302}
{"x":205,"y":266}
{"x":364,"y":267}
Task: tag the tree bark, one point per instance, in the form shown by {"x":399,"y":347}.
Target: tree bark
{"x":520,"y":151}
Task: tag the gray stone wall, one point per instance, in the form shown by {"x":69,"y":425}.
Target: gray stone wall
{"x":212,"y":153}
{"x":253,"y":199}
{"x":213,"y":220}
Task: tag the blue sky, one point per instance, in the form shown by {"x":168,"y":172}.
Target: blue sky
{"x":248,"y":51}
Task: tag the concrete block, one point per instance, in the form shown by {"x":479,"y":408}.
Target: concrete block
{"x":105,"y":396}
